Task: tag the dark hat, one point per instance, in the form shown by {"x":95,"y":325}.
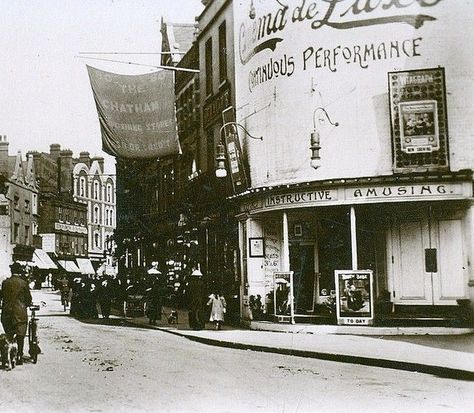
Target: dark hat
{"x":17,"y":268}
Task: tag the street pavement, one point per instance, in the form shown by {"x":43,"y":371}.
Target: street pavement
{"x":422,"y":350}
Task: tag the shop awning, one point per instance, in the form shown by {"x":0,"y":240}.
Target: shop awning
{"x":85,"y":265}
{"x":42,"y":260}
{"x":69,"y":266}
{"x":105,"y":269}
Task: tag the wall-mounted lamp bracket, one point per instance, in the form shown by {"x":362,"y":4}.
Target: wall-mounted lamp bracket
{"x":321,"y":109}
{"x":221,"y":171}
{"x":315,"y":145}
{"x":235,"y":124}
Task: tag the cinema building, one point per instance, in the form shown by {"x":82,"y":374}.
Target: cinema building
{"x":366,"y":159}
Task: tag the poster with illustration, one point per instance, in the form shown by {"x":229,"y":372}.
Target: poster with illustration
{"x":419,"y":126}
{"x":283,"y":295}
{"x":354,"y":297}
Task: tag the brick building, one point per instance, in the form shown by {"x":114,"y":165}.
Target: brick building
{"x":18,"y":208}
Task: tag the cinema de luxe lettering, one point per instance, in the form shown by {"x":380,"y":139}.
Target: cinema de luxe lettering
{"x":265,"y":31}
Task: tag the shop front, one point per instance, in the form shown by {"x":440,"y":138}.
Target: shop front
{"x":415,"y":238}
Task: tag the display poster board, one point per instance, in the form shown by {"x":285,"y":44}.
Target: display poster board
{"x":235,"y":159}
{"x":283,"y":296}
{"x":419,"y":119}
{"x":354,"y":297}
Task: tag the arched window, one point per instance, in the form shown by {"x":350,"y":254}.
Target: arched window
{"x":96,"y":190}
{"x":109,"y":193}
{"x":82,"y":186}
{"x":96,"y":215}
{"x":96,"y":240}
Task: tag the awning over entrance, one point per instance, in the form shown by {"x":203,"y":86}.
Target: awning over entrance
{"x":69,"y":266}
{"x":85,"y":265}
{"x":42,"y":260}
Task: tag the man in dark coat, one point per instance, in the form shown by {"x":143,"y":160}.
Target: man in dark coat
{"x":196,"y":298}
{"x":105,"y":295}
{"x":155,"y":298}
{"x":16,"y":297}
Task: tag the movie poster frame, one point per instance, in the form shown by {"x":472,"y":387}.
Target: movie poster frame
{"x":426,"y":85}
{"x":284,"y":317}
{"x":361,"y":320}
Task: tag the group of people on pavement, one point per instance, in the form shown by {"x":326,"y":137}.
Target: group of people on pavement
{"x":83,"y":293}
{"x":196,"y":299}
{"x":15,"y":298}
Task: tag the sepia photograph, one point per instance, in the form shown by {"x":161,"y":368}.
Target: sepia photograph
{"x":236,"y":206}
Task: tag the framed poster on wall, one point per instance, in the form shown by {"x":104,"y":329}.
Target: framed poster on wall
{"x":354,"y":297}
{"x":256,"y":247}
{"x":419,"y":126}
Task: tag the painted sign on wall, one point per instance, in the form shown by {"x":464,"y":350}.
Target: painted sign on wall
{"x":299,"y":55}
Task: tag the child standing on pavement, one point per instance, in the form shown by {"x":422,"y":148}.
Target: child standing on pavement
{"x":218,"y":309}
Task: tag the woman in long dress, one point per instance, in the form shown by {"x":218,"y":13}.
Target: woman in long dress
{"x":218,"y":305}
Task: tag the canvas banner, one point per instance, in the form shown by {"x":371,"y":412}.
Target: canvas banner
{"x":136,"y":113}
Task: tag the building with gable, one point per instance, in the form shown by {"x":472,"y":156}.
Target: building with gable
{"x":97,"y":190}
{"x":18,"y":208}
{"x":77,"y":209}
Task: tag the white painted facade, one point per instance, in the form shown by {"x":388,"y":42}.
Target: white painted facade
{"x":330,"y":63}
{"x":97,"y":190}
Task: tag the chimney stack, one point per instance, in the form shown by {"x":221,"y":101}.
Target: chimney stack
{"x":65,"y":171}
{"x":84,"y":157}
{"x":54,"y":150}
{"x":4,"y":154}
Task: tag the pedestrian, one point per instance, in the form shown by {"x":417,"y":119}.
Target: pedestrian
{"x":76,"y":308}
{"x":155,"y":297}
{"x":104,"y":295}
{"x":90,"y":298}
{"x":218,"y":309}
{"x":64,"y":290}
{"x":195,"y":297}
{"x":16,"y":297}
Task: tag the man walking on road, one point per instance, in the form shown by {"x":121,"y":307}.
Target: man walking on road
{"x":195,"y":296}
{"x":16,"y":297}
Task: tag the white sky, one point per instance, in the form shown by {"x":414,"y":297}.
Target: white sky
{"x":44,"y":88}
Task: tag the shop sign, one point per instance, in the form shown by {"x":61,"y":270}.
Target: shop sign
{"x":48,"y":242}
{"x":354,"y":297}
{"x":234,"y":153}
{"x":404,"y":191}
{"x":297,"y":198}
{"x":283,"y":296}
{"x":69,"y":227}
{"x":213,"y":107}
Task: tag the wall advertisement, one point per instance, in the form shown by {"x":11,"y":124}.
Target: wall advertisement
{"x":296,"y":57}
{"x":419,"y":119}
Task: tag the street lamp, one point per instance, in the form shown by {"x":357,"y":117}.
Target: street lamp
{"x":315,"y":145}
{"x":221,"y":171}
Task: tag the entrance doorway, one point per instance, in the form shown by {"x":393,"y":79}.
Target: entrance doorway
{"x":302,"y":263}
{"x":427,"y":262}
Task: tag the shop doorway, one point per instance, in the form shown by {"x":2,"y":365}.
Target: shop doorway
{"x":302,"y":263}
{"x":428,"y":262}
